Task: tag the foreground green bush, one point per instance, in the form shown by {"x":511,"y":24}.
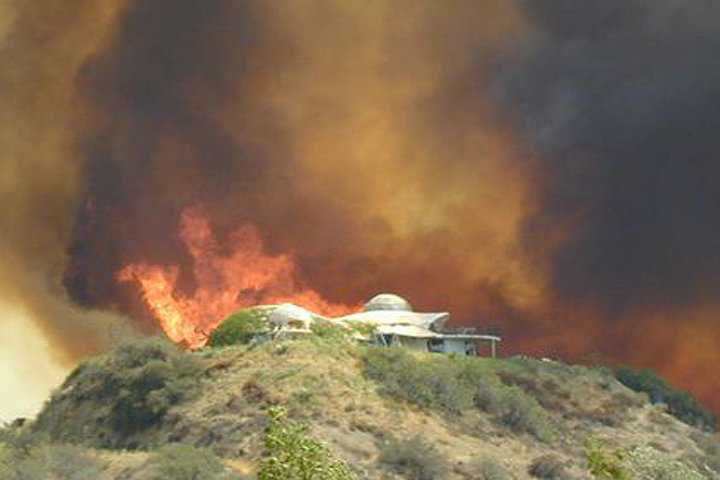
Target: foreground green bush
{"x":640,"y":463}
{"x":106,"y":401}
{"x":240,"y":327}
{"x":291,"y":455}
{"x":646,"y":463}
{"x":455,"y":384}
{"x":604,"y":463}
{"x":680,"y":404}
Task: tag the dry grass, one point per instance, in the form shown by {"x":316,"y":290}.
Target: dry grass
{"x":320,"y":382}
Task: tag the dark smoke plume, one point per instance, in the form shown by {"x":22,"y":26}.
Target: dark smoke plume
{"x":620,"y":100}
{"x":332,"y":141}
{"x":545,"y":166}
{"x":40,"y":176}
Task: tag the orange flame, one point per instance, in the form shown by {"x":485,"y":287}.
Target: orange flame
{"x":225,"y":283}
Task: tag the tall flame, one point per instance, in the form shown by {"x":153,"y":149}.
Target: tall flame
{"x":245,"y":276}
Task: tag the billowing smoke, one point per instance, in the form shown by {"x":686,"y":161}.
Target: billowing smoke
{"x":40,"y":175}
{"x":542,"y":167}
{"x":619,"y":102}
{"x":347,"y":134}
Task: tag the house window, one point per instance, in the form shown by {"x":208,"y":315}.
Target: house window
{"x":436,"y":345}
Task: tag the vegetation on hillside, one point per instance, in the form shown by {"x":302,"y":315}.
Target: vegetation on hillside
{"x":638,"y":463}
{"x":326,"y":404}
{"x":111,"y":398}
{"x":185,"y":462}
{"x":291,"y":454}
{"x":680,"y":404}
{"x":241,"y":327}
{"x":456,"y":384}
{"x":414,"y":458}
{"x":27,"y":456}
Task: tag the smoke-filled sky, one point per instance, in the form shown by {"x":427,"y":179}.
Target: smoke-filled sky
{"x":547,"y":168}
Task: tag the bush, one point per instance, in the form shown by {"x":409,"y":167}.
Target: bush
{"x":431,"y":383}
{"x":614,"y":411}
{"x":641,"y":463}
{"x":522,"y":413}
{"x":291,"y":454}
{"x":240,"y":328}
{"x":20,"y":441}
{"x":126,"y":392}
{"x":185,"y":462}
{"x":605,"y":464}
{"x":414,"y":458}
{"x":48,"y":462}
{"x":680,"y":404}
{"x":455,"y":385}
{"x":489,"y":469}
{"x":328,"y":330}
{"x":647,"y":463}
{"x":548,"y":467}
{"x":150,"y":378}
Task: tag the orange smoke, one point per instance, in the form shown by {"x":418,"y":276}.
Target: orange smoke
{"x":225,"y":282}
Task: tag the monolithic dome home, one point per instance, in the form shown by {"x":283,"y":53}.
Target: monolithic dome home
{"x":393,"y":322}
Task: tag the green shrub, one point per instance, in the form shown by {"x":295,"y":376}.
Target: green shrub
{"x":522,"y":413}
{"x":140,"y":352}
{"x":434,"y":382}
{"x":367,"y":330}
{"x":329,"y":330}
{"x":455,"y":385}
{"x":641,"y":463}
{"x":605,"y":464}
{"x":185,"y":462}
{"x":49,"y":462}
{"x":548,"y":467}
{"x":680,"y":404}
{"x":241,"y":327}
{"x":413,"y":458}
{"x":291,"y":455}
{"x":20,"y":441}
{"x":150,"y":378}
{"x":647,"y":463}
{"x":489,"y":469}
{"x":615,"y":410}
{"x":128,"y":391}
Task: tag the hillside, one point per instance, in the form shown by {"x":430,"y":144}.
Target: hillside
{"x":386,"y":412}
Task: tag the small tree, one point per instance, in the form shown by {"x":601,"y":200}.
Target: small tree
{"x":604,"y":464}
{"x":292,"y":455}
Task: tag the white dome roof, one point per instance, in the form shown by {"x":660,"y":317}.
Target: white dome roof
{"x":388,"y":302}
{"x":288,"y":313}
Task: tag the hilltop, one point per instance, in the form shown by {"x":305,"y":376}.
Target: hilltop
{"x":385,"y":413}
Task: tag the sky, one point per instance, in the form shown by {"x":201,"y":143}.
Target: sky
{"x":27,"y":370}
